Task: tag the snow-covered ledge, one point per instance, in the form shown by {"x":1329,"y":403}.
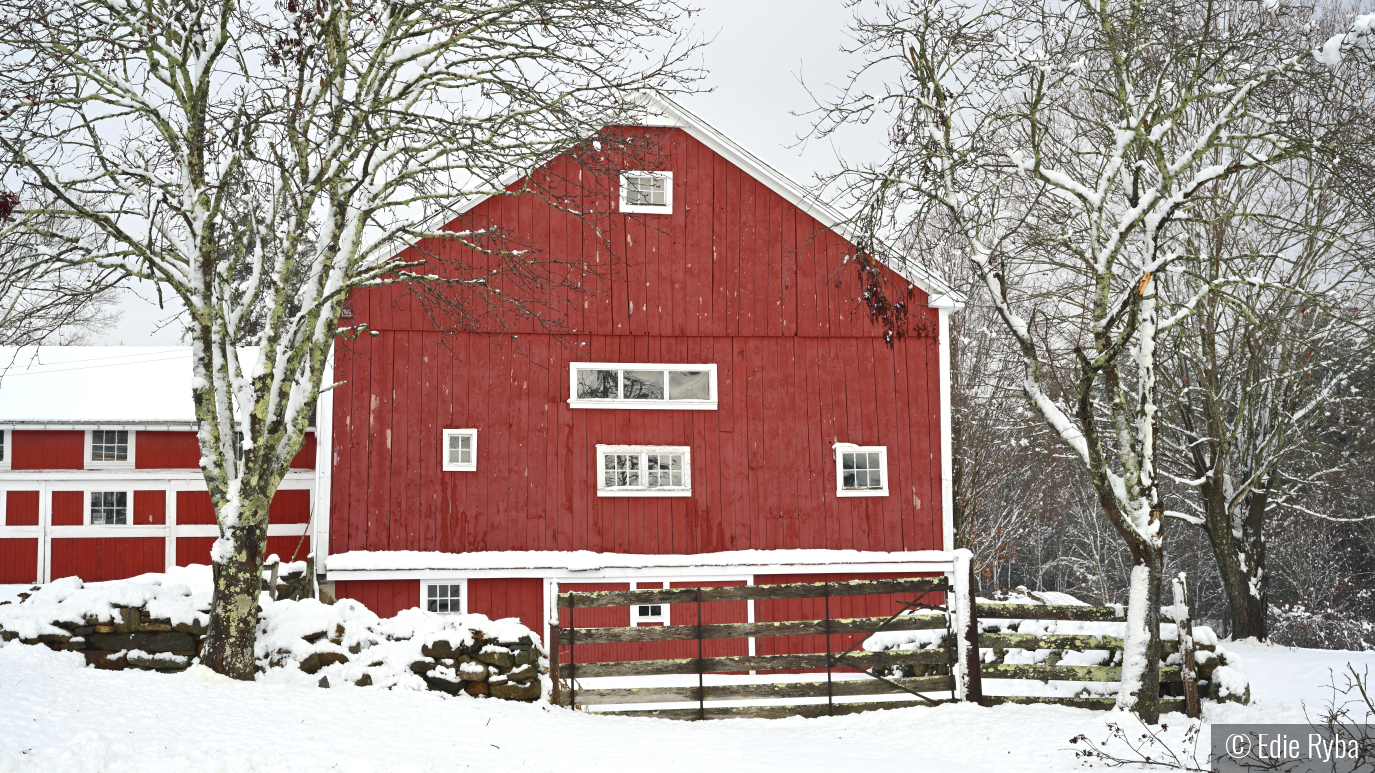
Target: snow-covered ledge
{"x":398,"y":564}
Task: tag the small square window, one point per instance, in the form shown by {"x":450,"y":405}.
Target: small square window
{"x":647,"y":192}
{"x":110,"y":508}
{"x":644,"y":471}
{"x":445,"y":597}
{"x":107,"y":448}
{"x":861,"y":471}
{"x":460,"y":450}
{"x":651,"y":613}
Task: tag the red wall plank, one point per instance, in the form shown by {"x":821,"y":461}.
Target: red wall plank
{"x":21,"y":509}
{"x":18,"y":560}
{"x":150,"y":507}
{"x":498,"y":598}
{"x":194,"y":507}
{"x":114,"y":558}
{"x":49,"y":449}
{"x":291,"y":506}
{"x":69,"y":508}
{"x":193,"y":550}
{"x":384,"y":597}
{"x":166,"y":450}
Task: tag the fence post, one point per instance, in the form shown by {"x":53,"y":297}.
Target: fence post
{"x":554,"y":660}
{"x":965,"y":627}
{"x":1188,"y":665}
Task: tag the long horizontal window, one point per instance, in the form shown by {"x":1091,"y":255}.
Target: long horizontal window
{"x":622,"y":385}
{"x":644,"y":471}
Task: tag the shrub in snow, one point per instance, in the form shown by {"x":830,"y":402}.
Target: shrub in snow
{"x":158,"y":622}
{"x":1327,"y":629}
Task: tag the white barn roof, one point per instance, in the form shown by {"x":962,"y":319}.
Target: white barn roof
{"x":84,"y":385}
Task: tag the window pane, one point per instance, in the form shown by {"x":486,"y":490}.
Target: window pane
{"x":874,"y":480}
{"x":632,"y":478}
{"x":847,"y":461}
{"x":596,"y":384}
{"x":677,"y":479}
{"x":873,"y":461}
{"x":689,"y":385}
{"x":443,"y":605}
{"x":433,"y":605}
{"x":643,"y":384}
{"x":848,"y":480}
{"x":433,"y":591}
{"x":676,"y":461}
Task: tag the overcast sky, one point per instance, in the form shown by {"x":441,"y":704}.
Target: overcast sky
{"x":758,"y":50}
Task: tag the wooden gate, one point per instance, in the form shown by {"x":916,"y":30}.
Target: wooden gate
{"x":913,"y":671}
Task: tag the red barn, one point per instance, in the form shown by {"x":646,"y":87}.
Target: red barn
{"x":100,"y":469}
{"x":718,"y":408}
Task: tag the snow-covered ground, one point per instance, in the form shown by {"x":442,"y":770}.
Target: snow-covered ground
{"x":56,"y":715}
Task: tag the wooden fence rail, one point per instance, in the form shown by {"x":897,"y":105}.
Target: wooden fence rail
{"x":622,"y":635}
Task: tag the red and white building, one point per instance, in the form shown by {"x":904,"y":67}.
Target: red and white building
{"x":717,"y":409}
{"x":100,"y":470}
{"x":720,"y":409}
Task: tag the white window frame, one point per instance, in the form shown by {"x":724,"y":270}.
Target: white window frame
{"x":444,"y":451}
{"x":462,"y":600}
{"x":635,"y":619}
{"x":7,"y":441}
{"x":645,"y":209}
{"x":685,"y":491}
{"x":658,"y":405}
{"x":128,"y":506}
{"x":127,"y":464}
{"x":882,"y":451}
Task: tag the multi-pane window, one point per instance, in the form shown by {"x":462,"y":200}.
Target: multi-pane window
{"x":4,"y":458}
{"x":861,"y":470}
{"x":460,"y":449}
{"x":650,"y":613}
{"x":608,"y":385}
{"x":444,"y":597}
{"x":110,"y":445}
{"x":110,"y":507}
{"x":644,"y":471}
{"x":647,"y":192}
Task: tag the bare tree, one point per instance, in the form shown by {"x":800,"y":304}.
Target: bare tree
{"x":1262,"y":376}
{"x":260,"y":161}
{"x":40,"y":303}
{"x":1061,"y":145}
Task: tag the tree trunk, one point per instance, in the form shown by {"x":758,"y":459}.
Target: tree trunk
{"x":1140,"y":691}
{"x":229,"y":645}
{"x":1240,"y":560}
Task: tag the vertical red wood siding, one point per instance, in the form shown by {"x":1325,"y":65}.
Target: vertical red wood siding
{"x":68,"y":508}
{"x":166,"y":450}
{"x":521,"y":598}
{"x":193,"y":550}
{"x":194,"y":507}
{"x":383,"y":597}
{"x":150,"y":508}
{"x":49,"y":449}
{"x":95,"y":559}
{"x":21,"y":508}
{"x":735,"y":276}
{"x":18,"y":560}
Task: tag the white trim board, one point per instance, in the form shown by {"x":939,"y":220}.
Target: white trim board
{"x":642,"y":573}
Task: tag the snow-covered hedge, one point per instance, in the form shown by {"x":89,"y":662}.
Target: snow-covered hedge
{"x":158,"y":622}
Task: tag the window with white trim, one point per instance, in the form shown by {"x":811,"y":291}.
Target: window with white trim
{"x":644,"y":471}
{"x":647,"y":192}
{"x":627,"y":385}
{"x":109,"y":508}
{"x":649,"y":614}
{"x":460,"y":450}
{"x":109,"y":448}
{"x":4,"y":449}
{"x":445,"y":597}
{"x":861,"y":471}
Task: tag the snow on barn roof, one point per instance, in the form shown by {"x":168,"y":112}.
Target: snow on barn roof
{"x":96,"y":385}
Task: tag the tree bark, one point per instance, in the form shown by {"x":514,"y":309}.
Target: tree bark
{"x":229,"y":644}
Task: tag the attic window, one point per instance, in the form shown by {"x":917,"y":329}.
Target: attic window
{"x":861,"y":471}
{"x":460,"y":450}
{"x":626,"y":385}
{"x":647,"y":192}
{"x":107,"y":448}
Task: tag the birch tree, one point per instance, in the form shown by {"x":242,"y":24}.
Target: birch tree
{"x":261,"y":160}
{"x":1061,"y":144}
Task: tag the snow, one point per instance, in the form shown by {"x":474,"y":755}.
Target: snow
{"x":586,"y":560}
{"x":181,"y":596}
{"x":59,"y":716}
{"x":58,"y":384}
